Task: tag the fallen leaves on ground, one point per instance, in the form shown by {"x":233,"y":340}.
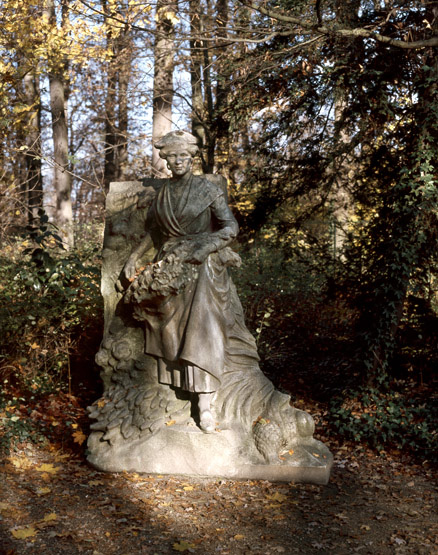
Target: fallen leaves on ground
{"x":369,"y":506}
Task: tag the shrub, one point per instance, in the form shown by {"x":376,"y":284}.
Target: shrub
{"x":48,"y":297}
{"x":387,"y":420}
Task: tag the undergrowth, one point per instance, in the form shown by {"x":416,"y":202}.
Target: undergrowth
{"x":49,"y":300}
{"x":388,"y":420}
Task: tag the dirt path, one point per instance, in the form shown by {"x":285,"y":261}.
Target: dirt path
{"x":54,"y":503}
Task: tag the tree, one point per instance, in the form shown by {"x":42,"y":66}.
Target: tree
{"x":33,"y":180}
{"x":20,"y":117}
{"x":299,"y":67}
{"x":120,"y":48}
{"x":164,"y":60}
{"x":58,"y":81}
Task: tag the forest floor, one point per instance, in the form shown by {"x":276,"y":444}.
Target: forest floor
{"x":53,"y":502}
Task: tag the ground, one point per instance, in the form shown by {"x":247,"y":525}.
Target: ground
{"x":52,"y":502}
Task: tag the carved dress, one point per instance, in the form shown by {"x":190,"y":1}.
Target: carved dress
{"x":188,"y":332}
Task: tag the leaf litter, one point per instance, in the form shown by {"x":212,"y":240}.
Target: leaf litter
{"x":53,"y":502}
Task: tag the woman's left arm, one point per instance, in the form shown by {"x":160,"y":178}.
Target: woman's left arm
{"x":227,"y":230}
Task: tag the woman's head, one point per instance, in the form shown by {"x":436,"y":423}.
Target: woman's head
{"x":177,"y":141}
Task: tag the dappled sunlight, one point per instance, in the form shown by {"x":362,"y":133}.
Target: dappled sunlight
{"x":53,"y":502}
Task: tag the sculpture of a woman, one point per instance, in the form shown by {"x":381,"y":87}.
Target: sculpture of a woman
{"x":176,"y":357}
{"x":190,"y":220}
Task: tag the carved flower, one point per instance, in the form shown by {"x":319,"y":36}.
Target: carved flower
{"x":101,"y":357}
{"x":121,"y":350}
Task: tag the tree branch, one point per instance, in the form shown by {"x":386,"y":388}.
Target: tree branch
{"x":347,"y":33}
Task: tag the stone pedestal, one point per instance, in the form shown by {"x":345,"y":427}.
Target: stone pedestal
{"x":187,"y":451}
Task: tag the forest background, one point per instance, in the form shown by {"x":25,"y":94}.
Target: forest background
{"x":322,"y":115}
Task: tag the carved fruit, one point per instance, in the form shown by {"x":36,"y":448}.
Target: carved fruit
{"x":268,"y":439}
{"x":101,"y":357}
{"x":305,"y":424}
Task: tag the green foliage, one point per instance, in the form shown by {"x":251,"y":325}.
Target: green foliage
{"x":268,"y":280}
{"x":354,"y":140}
{"x":48,"y":300}
{"x":15,"y":428}
{"x":387,"y":420}
{"x":290,"y":308}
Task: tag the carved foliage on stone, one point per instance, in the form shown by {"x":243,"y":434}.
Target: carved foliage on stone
{"x":134,"y":404}
{"x":131,"y":412}
{"x":283,"y":427}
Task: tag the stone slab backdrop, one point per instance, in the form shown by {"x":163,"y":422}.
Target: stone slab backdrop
{"x":141,"y":425}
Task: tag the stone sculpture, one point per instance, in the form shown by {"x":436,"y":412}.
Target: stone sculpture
{"x":183,"y":391}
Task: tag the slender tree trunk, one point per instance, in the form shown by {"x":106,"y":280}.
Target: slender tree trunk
{"x":124,"y":75}
{"x":164,"y":60}
{"x":58,"y":104}
{"x":33,"y":185}
{"x":346,"y":15}
{"x":110,"y":142}
{"x":206,"y":25}
{"x":198,"y":108}
{"x":221,"y":123}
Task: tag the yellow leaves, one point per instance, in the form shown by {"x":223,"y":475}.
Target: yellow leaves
{"x":277,"y":496}
{"x":170,"y":423}
{"x":32,"y":530}
{"x":48,"y":468}
{"x":96,"y":483}
{"x":165,"y":13}
{"x":50,"y":517}
{"x":20,"y":463}
{"x":262,"y":421}
{"x":79,"y":437}
{"x":186,"y":487}
{"x":61,"y":457}
{"x":42,"y":491}
{"x":183,"y":545}
{"x":23,"y":533}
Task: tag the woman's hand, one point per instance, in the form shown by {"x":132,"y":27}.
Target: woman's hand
{"x":130,"y":268}
{"x":199,"y":255}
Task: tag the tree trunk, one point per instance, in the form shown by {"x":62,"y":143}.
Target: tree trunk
{"x":33,"y":179}
{"x":62,"y":176}
{"x":124,"y":75}
{"x":346,"y":16}
{"x":110,"y":143}
{"x":221,"y":123}
{"x":199,"y":127}
{"x":164,"y":59}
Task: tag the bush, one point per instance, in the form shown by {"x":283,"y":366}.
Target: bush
{"x":301,"y":328}
{"x":387,"y":420}
{"x":16,"y":427}
{"x":48,"y":297}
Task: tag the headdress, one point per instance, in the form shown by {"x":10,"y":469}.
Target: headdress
{"x":174,"y":139}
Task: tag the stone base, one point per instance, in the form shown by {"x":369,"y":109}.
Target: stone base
{"x":186,"y":450}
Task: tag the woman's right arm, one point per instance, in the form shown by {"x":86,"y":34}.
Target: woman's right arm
{"x":131,"y":264}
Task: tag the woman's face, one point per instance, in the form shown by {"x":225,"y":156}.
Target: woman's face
{"x":179,"y":162}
